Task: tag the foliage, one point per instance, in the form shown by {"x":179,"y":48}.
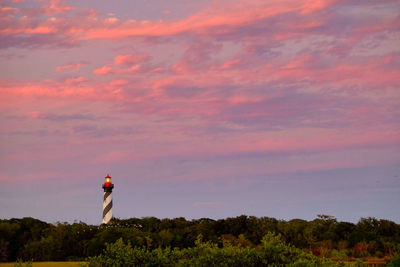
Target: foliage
{"x":395,"y":262}
{"x":21,"y":263}
{"x":325,"y":237}
{"x":272,"y":252}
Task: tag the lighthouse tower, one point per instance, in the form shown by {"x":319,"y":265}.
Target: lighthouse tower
{"x":107,"y":202}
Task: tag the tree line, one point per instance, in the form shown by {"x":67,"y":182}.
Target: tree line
{"x":325,"y":237}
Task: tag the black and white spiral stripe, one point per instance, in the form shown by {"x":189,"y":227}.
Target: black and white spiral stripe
{"x":107,"y":207}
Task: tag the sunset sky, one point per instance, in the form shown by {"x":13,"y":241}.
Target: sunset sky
{"x":278,"y":108}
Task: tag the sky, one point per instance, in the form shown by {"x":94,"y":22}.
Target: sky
{"x":207,"y":108}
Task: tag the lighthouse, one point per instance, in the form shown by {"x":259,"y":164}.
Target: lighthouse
{"x":107,"y":202}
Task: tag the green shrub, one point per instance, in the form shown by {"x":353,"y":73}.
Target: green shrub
{"x":272,"y":252}
{"x":395,"y":262}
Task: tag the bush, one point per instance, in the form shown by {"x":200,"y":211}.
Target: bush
{"x":395,"y":262}
{"x":21,"y":263}
{"x":273,"y":252}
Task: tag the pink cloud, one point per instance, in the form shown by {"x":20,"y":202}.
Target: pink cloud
{"x":310,"y":6}
{"x":53,"y":7}
{"x":216,"y":15}
{"x":118,"y":82}
{"x":134,"y":68}
{"x":288,"y":83}
{"x":237,"y":99}
{"x":73,"y":67}
{"x":238,"y":21}
{"x":129,"y":59}
{"x":71,"y":88}
{"x":29,"y":30}
{"x":34,"y":115}
{"x":77,"y":80}
{"x":198,"y":55}
{"x":103,"y":70}
{"x":4,"y":11}
{"x":230,"y":64}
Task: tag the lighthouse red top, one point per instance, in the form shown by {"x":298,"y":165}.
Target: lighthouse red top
{"x":108,"y":183}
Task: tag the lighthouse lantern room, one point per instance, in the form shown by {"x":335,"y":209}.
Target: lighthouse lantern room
{"x":107,"y":202}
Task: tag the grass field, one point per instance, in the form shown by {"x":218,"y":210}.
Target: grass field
{"x":48,"y":264}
